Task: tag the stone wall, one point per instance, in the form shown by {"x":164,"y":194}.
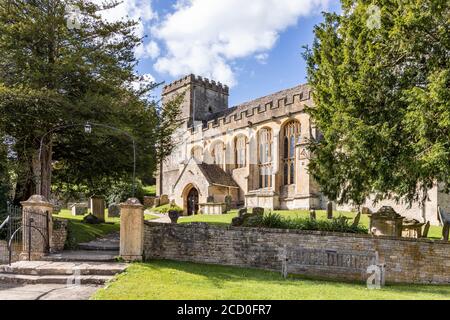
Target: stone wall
{"x":319,"y":254}
{"x":59,"y":235}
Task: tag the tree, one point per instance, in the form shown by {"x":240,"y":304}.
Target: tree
{"x":53,"y":75}
{"x":381,"y":93}
{"x":4,"y":180}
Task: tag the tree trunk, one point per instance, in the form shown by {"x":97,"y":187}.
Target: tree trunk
{"x":43,"y":171}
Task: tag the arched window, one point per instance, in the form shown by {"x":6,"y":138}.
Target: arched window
{"x":265,"y":158}
{"x":240,"y":151}
{"x":291,"y":134}
{"x":218,"y":153}
{"x":197,"y":153}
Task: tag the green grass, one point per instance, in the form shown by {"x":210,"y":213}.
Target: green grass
{"x":150,"y":190}
{"x":169,"y":280}
{"x":80,"y":232}
{"x":225,"y":219}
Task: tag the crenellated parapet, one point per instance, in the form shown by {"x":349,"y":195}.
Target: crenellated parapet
{"x":196,"y":80}
{"x":281,"y":104}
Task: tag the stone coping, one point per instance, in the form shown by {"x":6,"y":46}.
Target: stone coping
{"x":203,"y":225}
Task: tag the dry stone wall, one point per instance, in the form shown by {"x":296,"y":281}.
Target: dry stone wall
{"x":318,"y":254}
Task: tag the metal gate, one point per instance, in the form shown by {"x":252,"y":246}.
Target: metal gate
{"x":24,"y":232}
{"x":11,"y":245}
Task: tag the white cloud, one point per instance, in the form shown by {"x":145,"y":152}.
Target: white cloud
{"x":150,"y":50}
{"x":205,"y":36}
{"x":262,"y":57}
{"x":134,"y":9}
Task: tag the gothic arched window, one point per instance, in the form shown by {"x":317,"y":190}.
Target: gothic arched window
{"x":218,"y":154}
{"x":240,"y":151}
{"x":290,"y":138}
{"x":265,"y":158}
{"x":197,"y":153}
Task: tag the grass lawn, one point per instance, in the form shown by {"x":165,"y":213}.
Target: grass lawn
{"x":150,"y":190}
{"x":225,"y":219}
{"x":80,"y":232}
{"x":169,"y":280}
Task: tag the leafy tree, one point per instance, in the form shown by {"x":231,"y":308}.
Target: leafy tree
{"x":381,"y":93}
{"x":53,"y":75}
{"x":4,"y":180}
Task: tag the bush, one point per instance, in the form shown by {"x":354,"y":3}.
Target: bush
{"x":276,"y":221}
{"x":166,"y":208}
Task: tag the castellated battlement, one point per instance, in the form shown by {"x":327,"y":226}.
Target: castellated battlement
{"x":196,"y":80}
{"x":281,"y":104}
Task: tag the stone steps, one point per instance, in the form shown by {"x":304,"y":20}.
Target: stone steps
{"x":58,"y":279}
{"x":68,"y":273}
{"x":110,"y":242}
{"x":83,"y":256}
{"x":99,"y":247}
{"x":44,"y":268}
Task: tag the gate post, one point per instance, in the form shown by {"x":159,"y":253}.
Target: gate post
{"x":36,"y":237}
{"x":132,"y":230}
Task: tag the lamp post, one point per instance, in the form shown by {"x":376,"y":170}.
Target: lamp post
{"x":87,"y":129}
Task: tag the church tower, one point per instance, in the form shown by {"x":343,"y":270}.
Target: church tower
{"x":203,"y":98}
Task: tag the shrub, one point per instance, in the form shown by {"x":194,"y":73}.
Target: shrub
{"x":166,"y":208}
{"x":276,"y":221}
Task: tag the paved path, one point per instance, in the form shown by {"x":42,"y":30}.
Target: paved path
{"x":162,"y":218}
{"x":46,"y":292}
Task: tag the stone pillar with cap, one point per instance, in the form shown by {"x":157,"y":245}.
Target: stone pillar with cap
{"x":132,"y":230}
{"x":37,"y":227}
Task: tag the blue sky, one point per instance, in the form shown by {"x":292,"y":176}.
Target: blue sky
{"x":254,"y":46}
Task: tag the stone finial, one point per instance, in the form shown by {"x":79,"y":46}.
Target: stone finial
{"x":131,"y":202}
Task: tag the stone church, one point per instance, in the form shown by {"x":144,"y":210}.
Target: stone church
{"x":252,"y":155}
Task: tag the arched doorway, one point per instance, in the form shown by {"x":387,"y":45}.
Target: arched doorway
{"x":192,"y":202}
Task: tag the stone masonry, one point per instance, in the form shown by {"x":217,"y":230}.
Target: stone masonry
{"x":320,"y":254}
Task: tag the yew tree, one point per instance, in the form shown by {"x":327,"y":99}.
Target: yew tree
{"x":59,"y":72}
{"x":380,"y":73}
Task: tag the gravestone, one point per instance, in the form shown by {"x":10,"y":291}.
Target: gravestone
{"x":366,"y":210}
{"x":386,"y":222}
{"x":79,"y":209}
{"x":163,"y":200}
{"x":149,"y":202}
{"x":241,"y":212}
{"x":330,"y":210}
{"x":98,"y":207}
{"x":258,"y":211}
{"x":114,"y":211}
{"x":228,"y":201}
{"x":426,"y":229}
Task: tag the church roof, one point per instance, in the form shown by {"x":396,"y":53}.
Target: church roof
{"x":217,"y":176}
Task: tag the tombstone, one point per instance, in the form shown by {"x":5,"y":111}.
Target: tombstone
{"x":426,"y":229}
{"x":113,"y":211}
{"x":228,"y":202}
{"x":149,"y":202}
{"x":79,"y":209}
{"x":445,"y":221}
{"x":241,"y":212}
{"x":386,"y":222}
{"x":330,"y":210}
{"x":98,"y":207}
{"x":258,"y":211}
{"x":163,"y":200}
{"x":312,"y":214}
